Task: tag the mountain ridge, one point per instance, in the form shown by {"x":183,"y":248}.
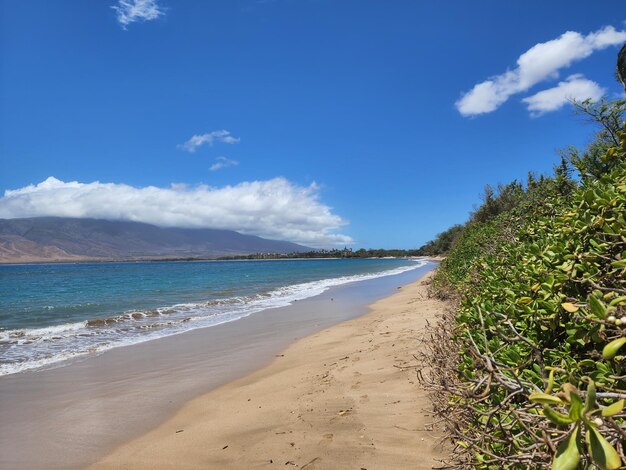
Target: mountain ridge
{"x":45,"y":239}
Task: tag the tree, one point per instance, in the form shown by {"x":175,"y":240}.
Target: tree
{"x":608,"y":116}
{"x":621,"y":66}
{"x":562,"y":175}
{"x":507,"y":197}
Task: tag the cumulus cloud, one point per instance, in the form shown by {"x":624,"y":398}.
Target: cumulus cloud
{"x":209,"y":138}
{"x":222,"y":162}
{"x":275,"y":208}
{"x":131,"y":11}
{"x":541,"y":62}
{"x":575,"y":87}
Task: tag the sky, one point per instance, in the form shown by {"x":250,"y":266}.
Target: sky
{"x":363,"y":123}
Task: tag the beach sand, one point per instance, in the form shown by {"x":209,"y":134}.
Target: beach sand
{"x":340,"y":398}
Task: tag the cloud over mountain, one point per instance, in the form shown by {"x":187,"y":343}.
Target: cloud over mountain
{"x":276,"y":208}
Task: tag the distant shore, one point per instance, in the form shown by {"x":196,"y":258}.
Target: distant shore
{"x":346,"y":397}
{"x":186,"y":260}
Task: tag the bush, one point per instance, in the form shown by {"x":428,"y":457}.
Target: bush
{"x":543,"y":293}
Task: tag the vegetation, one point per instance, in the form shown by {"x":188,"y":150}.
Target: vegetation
{"x":345,"y":253}
{"x":621,"y":66}
{"x":442,"y":243}
{"x":608,"y":114}
{"x":539,"y":272}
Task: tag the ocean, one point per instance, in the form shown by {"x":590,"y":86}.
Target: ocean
{"x":50,"y":313}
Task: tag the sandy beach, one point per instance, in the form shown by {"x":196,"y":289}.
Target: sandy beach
{"x":346,"y":397}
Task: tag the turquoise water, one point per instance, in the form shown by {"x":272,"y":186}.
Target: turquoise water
{"x":53,"y":312}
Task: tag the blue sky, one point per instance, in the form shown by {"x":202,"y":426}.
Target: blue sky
{"x":320,"y":121}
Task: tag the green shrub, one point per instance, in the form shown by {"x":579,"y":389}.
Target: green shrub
{"x":543,"y":293}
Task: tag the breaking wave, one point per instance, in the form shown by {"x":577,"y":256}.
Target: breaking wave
{"x":30,"y":348}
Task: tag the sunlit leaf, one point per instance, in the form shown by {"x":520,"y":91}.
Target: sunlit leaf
{"x":550,"y":382}
{"x":557,"y":418}
{"x":576,"y":407}
{"x":567,"y":455}
{"x":597,"y":307}
{"x":590,"y":399}
{"x":613,"y":409}
{"x":570,"y":307}
{"x":611,"y":349}
{"x":545,"y":399}
{"x":602,"y":453}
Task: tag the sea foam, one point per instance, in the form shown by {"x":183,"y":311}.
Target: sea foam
{"x":26,"y":349}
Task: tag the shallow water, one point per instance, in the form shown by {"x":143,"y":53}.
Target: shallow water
{"x":70,"y":415}
{"x":53,"y":312}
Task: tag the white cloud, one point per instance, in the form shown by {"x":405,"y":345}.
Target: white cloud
{"x":541,"y":62}
{"x":131,"y":11}
{"x":209,"y":138}
{"x":275,"y":208}
{"x":574,"y":87}
{"x":222,"y":162}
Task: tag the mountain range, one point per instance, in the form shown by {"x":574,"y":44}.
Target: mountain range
{"x":44,"y":239}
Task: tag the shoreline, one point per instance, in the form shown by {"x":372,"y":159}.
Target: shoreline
{"x":344,"y":397}
{"x":72,"y":415}
{"x":190,"y":260}
{"x":187,"y":319}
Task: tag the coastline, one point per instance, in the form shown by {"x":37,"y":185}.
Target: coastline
{"x":344,"y":397}
{"x":106,"y":308}
{"x":87,"y":260}
{"x":71,"y":415}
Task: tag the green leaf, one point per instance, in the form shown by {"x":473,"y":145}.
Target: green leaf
{"x":550,"y":382}
{"x":618,"y":300}
{"x":597,"y":307}
{"x":590,"y":400}
{"x":613,"y":409}
{"x":545,"y":399}
{"x":567,"y":455}
{"x":611,"y":349}
{"x":602,"y":453}
{"x":557,"y":418}
{"x":576,"y":407}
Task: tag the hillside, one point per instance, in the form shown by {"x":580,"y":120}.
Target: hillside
{"x":69,"y":239}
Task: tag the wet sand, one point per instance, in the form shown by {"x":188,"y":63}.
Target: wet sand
{"x":73,"y":415}
{"x":346,"y":397}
